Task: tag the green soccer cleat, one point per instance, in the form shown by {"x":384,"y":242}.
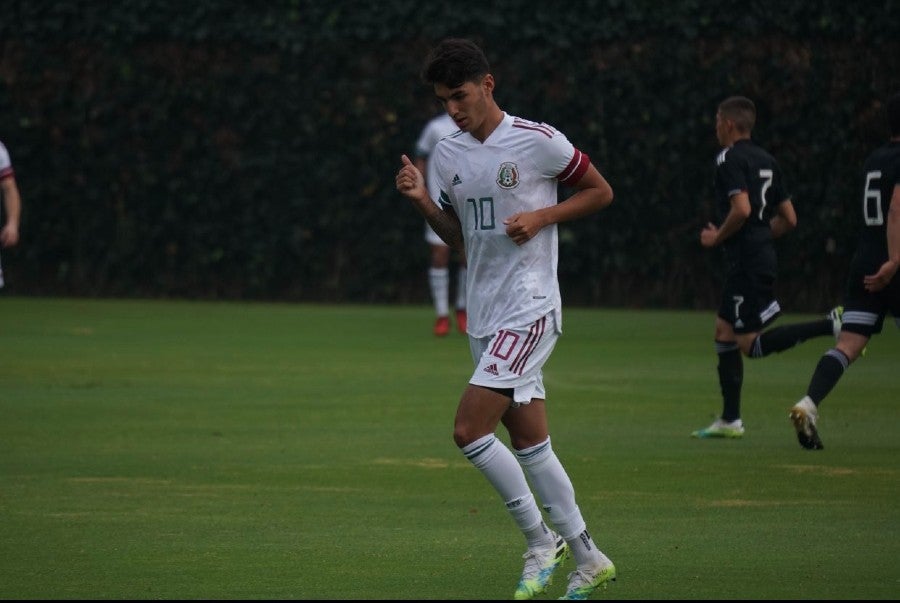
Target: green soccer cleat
{"x":721,"y":429}
{"x":837,"y":319}
{"x":582,"y":583}
{"x":539,"y":567}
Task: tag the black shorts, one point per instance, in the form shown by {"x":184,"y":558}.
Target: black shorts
{"x":864,"y":311}
{"x":748,"y":301}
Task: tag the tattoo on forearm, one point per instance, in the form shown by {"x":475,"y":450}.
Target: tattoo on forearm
{"x":447,"y":226}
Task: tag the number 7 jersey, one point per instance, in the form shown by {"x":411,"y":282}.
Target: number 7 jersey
{"x":747,"y":167}
{"x":516,"y":169}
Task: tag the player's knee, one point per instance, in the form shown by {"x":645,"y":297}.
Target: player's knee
{"x":851,"y":350}
{"x":749,"y":345}
{"x":463,"y":435}
{"x":440,"y":256}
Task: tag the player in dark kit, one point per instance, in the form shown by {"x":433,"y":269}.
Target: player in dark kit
{"x":753,"y":209}
{"x":872,"y":288}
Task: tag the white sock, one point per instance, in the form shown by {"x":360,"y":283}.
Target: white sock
{"x":540,"y":536}
{"x":584,"y":550}
{"x":439,"y":280}
{"x":461,"y":288}
{"x":554,"y":488}
{"x":499,"y":466}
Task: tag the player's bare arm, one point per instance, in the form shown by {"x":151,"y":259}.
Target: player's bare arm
{"x":411,"y":183}
{"x":446,"y":224}
{"x":887,"y":271}
{"x":593,"y":193}
{"x":711,"y":236}
{"x":785,"y":220}
{"x":9,"y":234}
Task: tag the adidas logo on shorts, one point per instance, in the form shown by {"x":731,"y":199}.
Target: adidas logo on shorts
{"x":492,"y":369}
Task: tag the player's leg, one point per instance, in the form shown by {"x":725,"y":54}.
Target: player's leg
{"x":439,"y":280}
{"x":730,"y":370}
{"x":829,"y":370}
{"x":461,"y":276}
{"x":779,"y":339}
{"x":863,"y":317}
{"x":526,"y":422}
{"x":760,"y":309}
{"x":508,"y":366}
{"x":527,"y":426}
{"x":477,"y":416}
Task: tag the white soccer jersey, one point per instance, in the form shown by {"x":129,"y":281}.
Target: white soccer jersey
{"x":434,"y":130}
{"x":5,"y":164}
{"x":6,"y":171}
{"x":515,"y":170}
{"x":438,"y":127}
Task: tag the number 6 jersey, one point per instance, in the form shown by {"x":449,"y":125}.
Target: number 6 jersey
{"x":881,"y":174}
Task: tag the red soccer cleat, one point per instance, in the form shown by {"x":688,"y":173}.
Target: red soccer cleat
{"x":442,"y":326}
{"x":461,"y":321}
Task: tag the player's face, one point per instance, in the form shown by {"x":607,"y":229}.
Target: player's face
{"x":466,"y":104}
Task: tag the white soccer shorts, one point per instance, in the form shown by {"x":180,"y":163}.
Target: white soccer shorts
{"x":514,"y":358}
{"x":432,"y":237}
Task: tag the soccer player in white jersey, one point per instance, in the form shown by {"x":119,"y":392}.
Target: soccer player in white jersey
{"x":12,"y":204}
{"x":439,"y":252}
{"x":498,"y":179}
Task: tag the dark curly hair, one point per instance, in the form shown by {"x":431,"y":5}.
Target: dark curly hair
{"x":455,"y":61}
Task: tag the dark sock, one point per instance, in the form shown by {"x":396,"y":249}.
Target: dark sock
{"x":731,"y":377}
{"x":828,"y":372}
{"x":786,"y":337}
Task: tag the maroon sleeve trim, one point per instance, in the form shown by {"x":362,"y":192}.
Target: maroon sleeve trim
{"x":576,"y":169}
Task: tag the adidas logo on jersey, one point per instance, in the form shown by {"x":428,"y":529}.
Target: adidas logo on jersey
{"x":492,"y":369}
{"x":456,"y":180}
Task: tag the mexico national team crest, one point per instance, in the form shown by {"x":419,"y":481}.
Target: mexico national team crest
{"x":508,"y":175}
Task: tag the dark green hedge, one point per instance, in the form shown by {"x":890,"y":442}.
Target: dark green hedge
{"x":247,"y":150}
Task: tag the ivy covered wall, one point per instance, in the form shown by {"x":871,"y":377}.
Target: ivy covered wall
{"x":239,"y":150}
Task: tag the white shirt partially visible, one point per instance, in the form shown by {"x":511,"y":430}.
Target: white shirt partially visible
{"x":5,"y":163}
{"x":436,"y":128}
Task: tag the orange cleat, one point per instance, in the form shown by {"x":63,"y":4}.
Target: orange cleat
{"x":442,"y":326}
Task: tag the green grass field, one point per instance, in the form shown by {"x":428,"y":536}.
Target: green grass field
{"x":188,"y":450}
